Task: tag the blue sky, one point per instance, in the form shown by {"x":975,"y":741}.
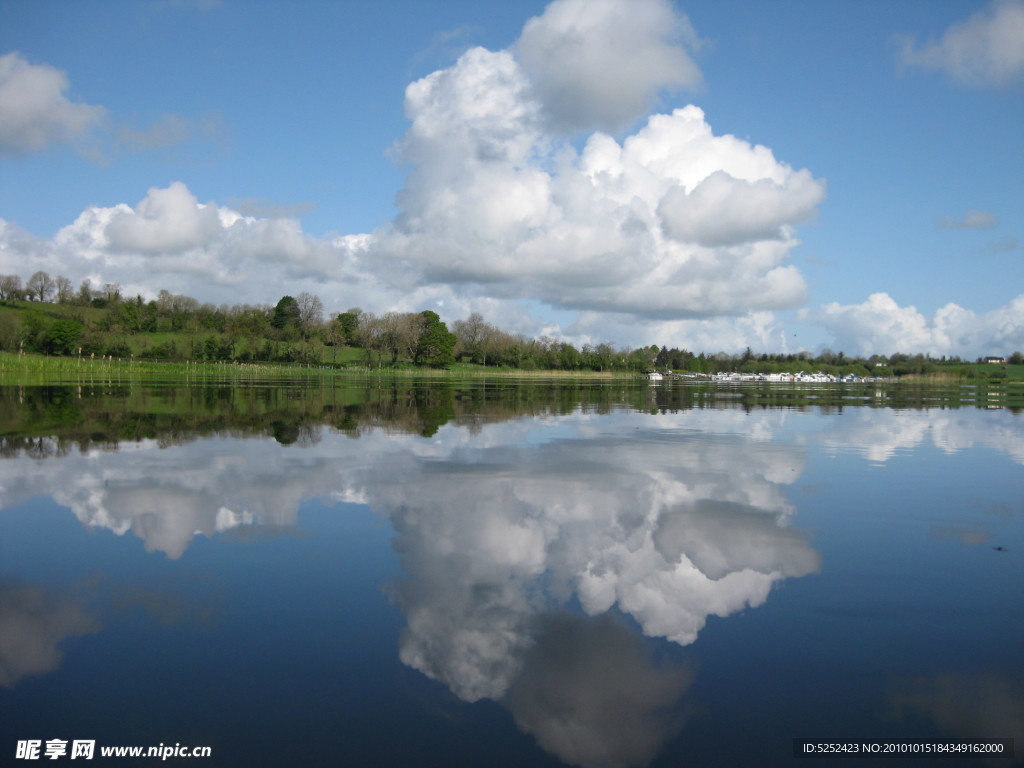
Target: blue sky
{"x":852,"y":179}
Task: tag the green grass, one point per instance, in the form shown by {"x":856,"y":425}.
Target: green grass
{"x":16,"y":368}
{"x":983,"y":371}
{"x":40,"y":369}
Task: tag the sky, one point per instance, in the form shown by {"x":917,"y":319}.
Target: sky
{"x":709,"y":175}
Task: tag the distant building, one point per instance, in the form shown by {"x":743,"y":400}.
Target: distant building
{"x":997,"y":360}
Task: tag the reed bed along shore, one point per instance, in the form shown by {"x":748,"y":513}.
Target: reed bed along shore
{"x":38,"y":369}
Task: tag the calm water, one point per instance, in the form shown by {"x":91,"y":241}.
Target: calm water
{"x":507,"y":575}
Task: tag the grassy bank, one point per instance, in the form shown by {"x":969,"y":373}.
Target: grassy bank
{"x":40,"y":369}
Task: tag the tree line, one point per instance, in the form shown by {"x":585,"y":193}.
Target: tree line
{"x":100,"y":321}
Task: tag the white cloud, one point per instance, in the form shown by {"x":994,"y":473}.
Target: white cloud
{"x":673,"y":222}
{"x":984,"y":50}
{"x":34,"y":112}
{"x":170,"y":239}
{"x":166,"y":221}
{"x":879,"y":325}
{"x":723,"y":210}
{"x":600,"y":63}
{"x":760,"y":330}
{"x":499,"y":208}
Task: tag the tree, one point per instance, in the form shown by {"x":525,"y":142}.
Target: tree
{"x":286,"y":313}
{"x":398,"y":333}
{"x":349,"y":324}
{"x":311,"y":312}
{"x":65,"y":293}
{"x":112,"y":292}
{"x":370,"y":336}
{"x":473,"y":335}
{"x":40,"y":285}
{"x":62,"y":337}
{"x":85,"y":295}
{"x":247,"y":322}
{"x":436,"y":343}
{"x":334,"y":337}
{"x":129,"y":315}
{"x":10,"y":287}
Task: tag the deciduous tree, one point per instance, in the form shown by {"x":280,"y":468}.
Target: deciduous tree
{"x":10,"y":287}
{"x":311,"y":312}
{"x":40,"y":286}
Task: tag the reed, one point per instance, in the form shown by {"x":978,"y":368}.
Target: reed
{"x":38,"y":369}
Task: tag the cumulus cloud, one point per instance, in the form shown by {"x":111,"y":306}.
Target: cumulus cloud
{"x":723,"y":210}
{"x":600,"y":63}
{"x":672,"y":223}
{"x":760,"y":330}
{"x":34,"y":110}
{"x":169,"y":239}
{"x":881,"y":326}
{"x":167,"y":221}
{"x":984,"y":50}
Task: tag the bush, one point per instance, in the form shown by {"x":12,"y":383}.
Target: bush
{"x":165,"y":351}
{"x":118,"y":348}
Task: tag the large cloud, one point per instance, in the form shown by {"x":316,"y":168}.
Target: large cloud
{"x":671,"y":222}
{"x":34,"y":112}
{"x":880,"y":325}
{"x":170,"y":240}
{"x":166,"y":221}
{"x":600,"y":63}
{"x":985,"y":50}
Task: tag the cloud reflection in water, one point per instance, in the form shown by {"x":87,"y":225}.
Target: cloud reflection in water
{"x":528,"y":546}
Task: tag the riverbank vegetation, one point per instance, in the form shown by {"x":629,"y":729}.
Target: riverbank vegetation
{"x":46,"y":316}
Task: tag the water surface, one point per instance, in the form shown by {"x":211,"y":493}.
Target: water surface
{"x":507,"y":574}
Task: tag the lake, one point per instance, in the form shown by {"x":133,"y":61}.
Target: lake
{"x":508,"y":573}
